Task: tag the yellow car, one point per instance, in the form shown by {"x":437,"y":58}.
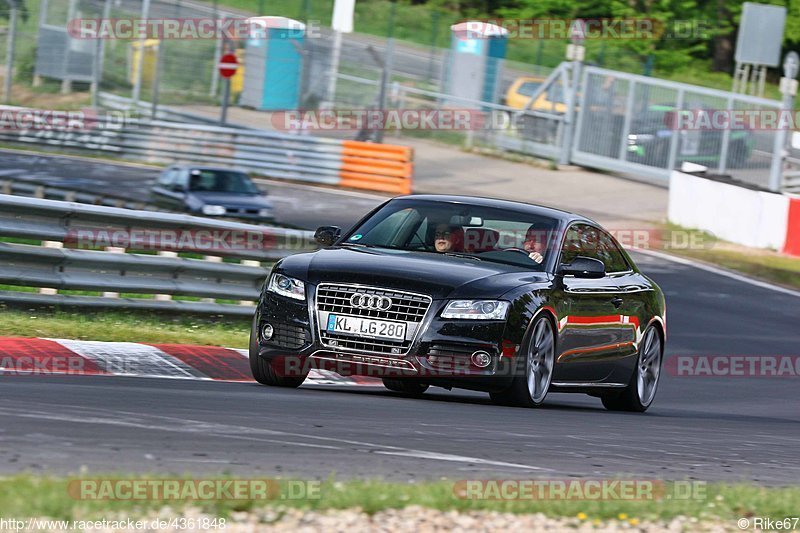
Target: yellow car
{"x":519,"y":94}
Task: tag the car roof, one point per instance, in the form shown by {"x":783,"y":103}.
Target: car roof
{"x":183,"y":166}
{"x":533,"y":209}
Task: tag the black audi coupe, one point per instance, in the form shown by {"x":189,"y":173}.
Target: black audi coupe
{"x":513,"y":299}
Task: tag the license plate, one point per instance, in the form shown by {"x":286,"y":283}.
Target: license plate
{"x":366,"y":327}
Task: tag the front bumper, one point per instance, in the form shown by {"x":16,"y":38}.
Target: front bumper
{"x":440,"y":353}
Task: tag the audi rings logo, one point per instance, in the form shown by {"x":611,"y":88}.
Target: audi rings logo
{"x":371,"y":301}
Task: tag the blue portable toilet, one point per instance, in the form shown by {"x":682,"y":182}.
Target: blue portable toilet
{"x":477,"y":52}
{"x":273,"y":64}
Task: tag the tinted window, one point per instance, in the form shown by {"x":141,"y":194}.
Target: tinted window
{"x":588,"y":241}
{"x":221,"y":181}
{"x":611,"y":255}
{"x":580,"y":240}
{"x":490,"y":234}
{"x":528,"y":88}
{"x":167,"y":178}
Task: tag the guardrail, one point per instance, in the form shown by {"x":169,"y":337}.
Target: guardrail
{"x":362,"y":165}
{"x":184,"y":264}
{"x":35,"y":189}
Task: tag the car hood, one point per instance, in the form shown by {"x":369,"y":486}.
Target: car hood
{"x":232,"y":199}
{"x":439,"y":276}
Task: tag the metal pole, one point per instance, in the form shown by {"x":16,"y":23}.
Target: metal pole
{"x":226,"y":92}
{"x":226,"y":96}
{"x":572,"y":102}
{"x":137,"y":83}
{"x":157,"y":78}
{"x":217,"y":55}
{"x":791,"y":66}
{"x":779,"y":148}
{"x":387,"y":69}
{"x":12,"y":36}
{"x":99,"y":59}
{"x":434,"y":35}
{"x":334,"y":70}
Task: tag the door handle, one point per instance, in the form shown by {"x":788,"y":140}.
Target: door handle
{"x":617,"y":302}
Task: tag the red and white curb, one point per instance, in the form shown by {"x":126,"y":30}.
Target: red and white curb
{"x":27,"y":356}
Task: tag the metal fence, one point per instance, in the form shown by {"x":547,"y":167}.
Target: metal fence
{"x":629,"y":123}
{"x":184,"y":263}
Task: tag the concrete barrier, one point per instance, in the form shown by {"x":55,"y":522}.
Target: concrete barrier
{"x":737,"y":214}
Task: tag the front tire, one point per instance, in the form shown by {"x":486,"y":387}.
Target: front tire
{"x":533,"y":374}
{"x":265,"y":372}
{"x":641,"y":389}
{"x":405,"y":386}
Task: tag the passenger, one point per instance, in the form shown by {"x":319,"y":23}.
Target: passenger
{"x":448,"y":238}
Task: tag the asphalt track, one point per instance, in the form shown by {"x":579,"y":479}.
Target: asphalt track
{"x":735,"y":429}
{"x":722,"y":428}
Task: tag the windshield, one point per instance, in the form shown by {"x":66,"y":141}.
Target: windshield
{"x":476,"y":232}
{"x":221,"y":181}
{"x":529,"y":87}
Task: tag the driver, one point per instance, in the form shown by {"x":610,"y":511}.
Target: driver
{"x":448,"y":238}
{"x":536,"y":241}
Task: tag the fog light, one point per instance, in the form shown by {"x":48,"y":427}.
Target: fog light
{"x":481,"y":359}
{"x":267,"y":331}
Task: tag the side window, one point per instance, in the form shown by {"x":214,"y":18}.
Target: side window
{"x":573,"y":244}
{"x":181,"y":179}
{"x":611,"y":255}
{"x":167,"y":178}
{"x":589,"y":241}
{"x":581,"y":240}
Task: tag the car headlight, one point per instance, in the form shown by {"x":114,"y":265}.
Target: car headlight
{"x":476,"y":310}
{"x":266,"y":213}
{"x":286,"y":286}
{"x":214,"y":210}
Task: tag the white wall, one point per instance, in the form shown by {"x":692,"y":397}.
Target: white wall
{"x":735,"y":214}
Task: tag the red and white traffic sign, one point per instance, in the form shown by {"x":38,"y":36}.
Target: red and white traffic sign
{"x":228,"y":65}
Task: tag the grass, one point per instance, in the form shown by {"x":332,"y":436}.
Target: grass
{"x":767,"y":265}
{"x":125,"y":327}
{"x":25,"y":495}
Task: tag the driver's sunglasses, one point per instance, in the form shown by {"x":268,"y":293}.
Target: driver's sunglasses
{"x":442,"y":234}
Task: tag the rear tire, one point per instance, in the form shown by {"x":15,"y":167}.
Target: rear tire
{"x":405,"y":386}
{"x":640,"y":392}
{"x":264,"y":371}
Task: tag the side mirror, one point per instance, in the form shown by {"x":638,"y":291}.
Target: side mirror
{"x":327,"y":235}
{"x":584,"y":267}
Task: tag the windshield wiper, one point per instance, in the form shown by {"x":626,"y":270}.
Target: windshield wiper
{"x":360,"y":245}
{"x":463,"y":256}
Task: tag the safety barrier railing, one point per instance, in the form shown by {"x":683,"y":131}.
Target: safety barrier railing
{"x":182,"y":262}
{"x":298,"y":157}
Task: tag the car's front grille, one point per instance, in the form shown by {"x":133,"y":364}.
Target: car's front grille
{"x":406,"y":307}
